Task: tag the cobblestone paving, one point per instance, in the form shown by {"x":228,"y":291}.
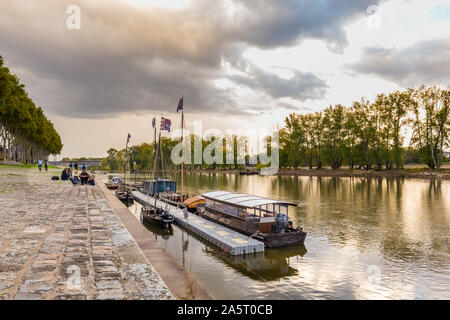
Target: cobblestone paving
{"x":59,"y":241}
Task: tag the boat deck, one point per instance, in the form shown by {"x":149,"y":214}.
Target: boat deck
{"x":229,"y":240}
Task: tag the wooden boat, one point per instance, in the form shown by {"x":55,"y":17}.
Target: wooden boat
{"x":114,"y":184}
{"x":194,"y":203}
{"x":124,"y":196}
{"x":153,"y":213}
{"x":248,"y":172}
{"x":173,"y":198}
{"x":263,"y":219}
{"x":157,"y":216}
{"x":133,"y":186}
{"x":111,"y":186}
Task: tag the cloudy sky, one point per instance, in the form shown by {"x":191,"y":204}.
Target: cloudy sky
{"x":238,"y":63}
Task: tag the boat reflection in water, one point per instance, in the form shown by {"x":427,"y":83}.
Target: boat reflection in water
{"x":263,"y":266}
{"x":272,"y":264}
{"x":158,"y":231}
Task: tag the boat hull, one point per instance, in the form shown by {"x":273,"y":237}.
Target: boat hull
{"x":156,"y":218}
{"x":271,"y":240}
{"x":111,"y":186}
{"x":285,"y":239}
{"x":125,"y":197}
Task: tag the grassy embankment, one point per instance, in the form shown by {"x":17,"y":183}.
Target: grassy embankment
{"x":25,"y":165}
{"x":412,"y":171}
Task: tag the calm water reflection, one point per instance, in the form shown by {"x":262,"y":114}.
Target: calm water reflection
{"x":367,"y":238}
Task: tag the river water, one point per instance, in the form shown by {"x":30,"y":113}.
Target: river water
{"x":367,"y":239}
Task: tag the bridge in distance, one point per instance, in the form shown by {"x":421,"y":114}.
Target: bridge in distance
{"x":87,"y":163}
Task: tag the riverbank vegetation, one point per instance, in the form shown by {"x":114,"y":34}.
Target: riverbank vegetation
{"x":366,"y":135}
{"x":23,"y":165}
{"x":25,"y":132}
{"x":371,"y":135}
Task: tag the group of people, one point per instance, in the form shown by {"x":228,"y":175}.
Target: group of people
{"x":45,"y":165}
{"x":84,"y":178}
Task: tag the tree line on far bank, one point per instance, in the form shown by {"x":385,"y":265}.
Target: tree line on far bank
{"x":25,"y":132}
{"x":142,"y":157}
{"x":366,"y":135}
{"x":370,"y":135}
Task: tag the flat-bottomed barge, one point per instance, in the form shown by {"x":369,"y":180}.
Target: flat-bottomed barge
{"x":230,"y":241}
{"x":260,"y":218}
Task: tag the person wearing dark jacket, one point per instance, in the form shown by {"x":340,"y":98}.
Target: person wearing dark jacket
{"x":64,"y":174}
{"x":84,"y":177}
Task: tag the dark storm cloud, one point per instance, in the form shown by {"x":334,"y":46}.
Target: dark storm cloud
{"x":125,"y":59}
{"x":269,"y":24}
{"x":301,"y":86}
{"x":422,"y":63}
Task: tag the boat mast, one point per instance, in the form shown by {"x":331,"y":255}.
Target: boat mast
{"x":156,"y":163}
{"x":155,"y":151}
{"x":182,"y":150}
{"x":126,"y":160}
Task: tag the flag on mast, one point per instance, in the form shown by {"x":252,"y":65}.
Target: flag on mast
{"x":165,"y":124}
{"x":153,"y":122}
{"x":180,"y":104}
{"x":128,"y":138}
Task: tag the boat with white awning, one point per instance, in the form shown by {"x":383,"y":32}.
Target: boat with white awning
{"x":261,"y":218}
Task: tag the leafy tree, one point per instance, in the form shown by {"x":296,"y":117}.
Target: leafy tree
{"x":25,"y":133}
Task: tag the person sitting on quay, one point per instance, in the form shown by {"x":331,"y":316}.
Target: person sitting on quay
{"x":65,"y":174}
{"x":75,"y":180}
{"x":84,"y":177}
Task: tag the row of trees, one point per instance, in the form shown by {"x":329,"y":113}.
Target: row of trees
{"x":142,"y":157}
{"x":25,"y":133}
{"x":370,"y":134}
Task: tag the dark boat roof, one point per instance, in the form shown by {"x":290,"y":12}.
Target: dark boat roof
{"x":242,"y":200}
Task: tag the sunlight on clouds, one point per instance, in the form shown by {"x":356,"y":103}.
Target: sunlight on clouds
{"x":223,"y":84}
{"x":309,"y":56}
{"x":240,"y":91}
{"x":171,"y":4}
{"x":231,"y":8}
{"x":229,"y":70}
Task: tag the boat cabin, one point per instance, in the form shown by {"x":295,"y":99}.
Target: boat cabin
{"x":116,"y":180}
{"x":248,"y":212}
{"x":164,"y":185}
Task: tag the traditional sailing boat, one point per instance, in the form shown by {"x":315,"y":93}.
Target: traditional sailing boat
{"x":154,"y":213}
{"x":173,"y":197}
{"x":122,"y":191}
